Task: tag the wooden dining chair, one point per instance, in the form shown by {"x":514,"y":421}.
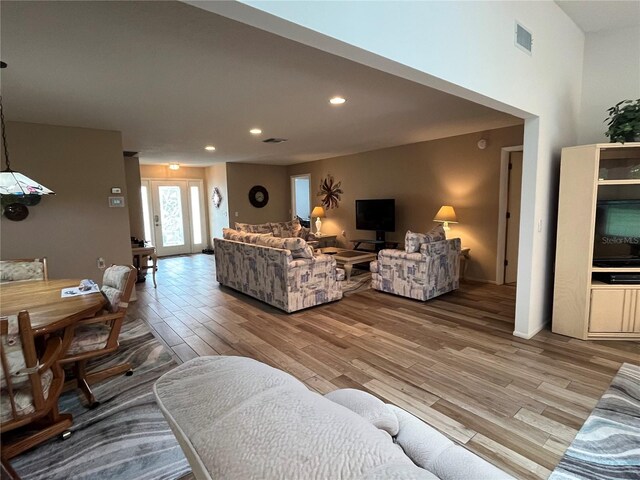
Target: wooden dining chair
{"x":30,"y":385}
{"x":98,"y":336}
{"x":23,"y":269}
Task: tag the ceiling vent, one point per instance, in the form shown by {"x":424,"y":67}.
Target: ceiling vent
{"x":524,"y":39}
{"x":274,"y":140}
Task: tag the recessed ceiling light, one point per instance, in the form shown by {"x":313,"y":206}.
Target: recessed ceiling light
{"x":210,"y":148}
{"x":255,"y":131}
{"x":337,"y":101}
{"x":174,"y":166}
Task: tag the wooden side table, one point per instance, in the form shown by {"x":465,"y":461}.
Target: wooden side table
{"x":141,"y":263}
{"x":464,"y":259}
{"x":326,"y":240}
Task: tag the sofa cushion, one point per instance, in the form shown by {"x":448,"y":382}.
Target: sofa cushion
{"x":244,"y":237}
{"x":297,"y":246}
{"x":367,"y":406}
{"x":227,"y":233}
{"x":248,"y":228}
{"x":412,"y":240}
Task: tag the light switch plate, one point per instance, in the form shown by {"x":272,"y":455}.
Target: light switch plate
{"x":116,"y":190}
{"x":116,"y":202}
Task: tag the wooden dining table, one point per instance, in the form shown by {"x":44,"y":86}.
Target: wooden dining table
{"x":49,"y":312}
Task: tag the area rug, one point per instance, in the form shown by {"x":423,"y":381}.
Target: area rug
{"x":608,"y":444}
{"x":126,"y":436}
{"x":360,"y":281}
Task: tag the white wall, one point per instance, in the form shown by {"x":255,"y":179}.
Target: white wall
{"x":467,"y":49}
{"x":611,"y":74}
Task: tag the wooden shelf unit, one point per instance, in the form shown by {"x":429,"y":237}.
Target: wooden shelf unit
{"x":583,"y":306}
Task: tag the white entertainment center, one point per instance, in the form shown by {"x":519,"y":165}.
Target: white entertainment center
{"x":601,"y":300}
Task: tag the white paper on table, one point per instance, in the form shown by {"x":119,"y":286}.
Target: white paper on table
{"x":76,"y":292}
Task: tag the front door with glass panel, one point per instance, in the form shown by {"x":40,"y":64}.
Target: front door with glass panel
{"x":174,"y":216}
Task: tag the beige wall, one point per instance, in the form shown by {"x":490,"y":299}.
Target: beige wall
{"x":132,"y":174}
{"x":242,"y":176}
{"x":422,"y":177}
{"x":76,"y":226}
{"x":163,"y":171}
{"x":218,"y":217}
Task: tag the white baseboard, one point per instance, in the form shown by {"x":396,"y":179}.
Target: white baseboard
{"x":528,"y":336}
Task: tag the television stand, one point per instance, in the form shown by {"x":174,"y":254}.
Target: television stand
{"x":377,"y":245}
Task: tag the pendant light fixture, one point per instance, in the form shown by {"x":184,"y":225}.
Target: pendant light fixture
{"x":16,"y":190}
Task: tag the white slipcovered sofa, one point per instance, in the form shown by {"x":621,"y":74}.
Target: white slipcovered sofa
{"x":282,"y":272}
{"x":236,"y":418}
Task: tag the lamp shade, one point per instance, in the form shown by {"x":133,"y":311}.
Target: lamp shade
{"x":446,"y":214}
{"x":15,"y":183}
{"x":318,"y":212}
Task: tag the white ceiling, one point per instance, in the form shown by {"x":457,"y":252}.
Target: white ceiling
{"x":174,"y":78}
{"x":594,"y":15}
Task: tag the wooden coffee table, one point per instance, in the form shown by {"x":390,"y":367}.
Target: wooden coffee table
{"x":348,"y":258}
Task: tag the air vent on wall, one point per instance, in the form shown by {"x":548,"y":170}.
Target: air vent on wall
{"x":274,"y":140}
{"x":524,"y":39}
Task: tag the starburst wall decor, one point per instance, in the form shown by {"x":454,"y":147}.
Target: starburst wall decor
{"x":330,"y":192}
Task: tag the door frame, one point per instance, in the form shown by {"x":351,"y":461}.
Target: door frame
{"x":293,"y":193}
{"x":503,"y":200}
{"x":147,"y":181}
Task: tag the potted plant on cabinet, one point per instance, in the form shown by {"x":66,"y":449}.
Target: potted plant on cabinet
{"x":624,"y":122}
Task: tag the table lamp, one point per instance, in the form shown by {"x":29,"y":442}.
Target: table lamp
{"x":446,"y":215}
{"x":319,"y":213}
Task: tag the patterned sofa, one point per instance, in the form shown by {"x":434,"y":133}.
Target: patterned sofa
{"x":422,"y":275}
{"x":269,"y":271}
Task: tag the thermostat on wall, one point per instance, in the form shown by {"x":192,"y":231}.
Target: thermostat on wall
{"x":116,"y":190}
{"x":116,"y":201}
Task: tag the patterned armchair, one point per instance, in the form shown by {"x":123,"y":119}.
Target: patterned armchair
{"x":422,"y":275}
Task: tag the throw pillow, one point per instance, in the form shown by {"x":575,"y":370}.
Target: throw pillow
{"x":367,"y":406}
{"x":303,"y":232}
{"x":297,"y":246}
{"x":228,"y":232}
{"x":412,"y":240}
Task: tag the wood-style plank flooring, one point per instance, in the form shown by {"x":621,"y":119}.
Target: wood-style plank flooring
{"x":451,"y":361}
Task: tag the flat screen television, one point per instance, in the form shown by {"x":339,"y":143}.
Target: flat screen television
{"x":617,"y":233}
{"x":378,"y":215}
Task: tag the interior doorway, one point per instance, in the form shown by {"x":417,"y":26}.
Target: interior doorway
{"x":301,"y":196}
{"x":174,"y":216}
{"x":509,"y":215}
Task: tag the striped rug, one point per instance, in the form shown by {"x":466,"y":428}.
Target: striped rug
{"x":360,"y":281}
{"x":126,"y":437}
{"x":608,"y":444}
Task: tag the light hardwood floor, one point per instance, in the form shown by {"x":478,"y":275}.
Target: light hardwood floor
{"x":451,"y":361}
